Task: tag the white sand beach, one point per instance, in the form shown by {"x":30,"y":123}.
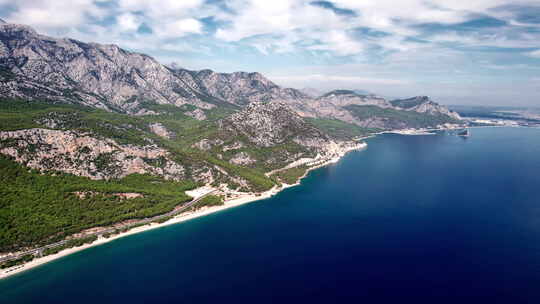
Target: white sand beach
{"x":237,"y":200}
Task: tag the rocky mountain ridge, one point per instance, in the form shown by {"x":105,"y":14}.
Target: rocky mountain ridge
{"x":345,"y":105}
{"x":33,"y":66}
{"x":84,"y":154}
{"x":423,"y":104}
{"x":268,"y":130}
{"x":152,"y":131}
{"x":269,"y":124}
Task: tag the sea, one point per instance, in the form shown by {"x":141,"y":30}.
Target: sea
{"x":411,"y":219}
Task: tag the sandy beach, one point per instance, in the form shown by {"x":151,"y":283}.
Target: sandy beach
{"x":238,"y":200}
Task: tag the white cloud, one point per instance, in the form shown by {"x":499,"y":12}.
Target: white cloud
{"x":535,"y":54}
{"x":346,"y":81}
{"x":333,"y":50}
{"x":178,"y":28}
{"x":54,"y":14}
{"x":292,"y":21}
{"x":397,"y":18}
{"x":281,"y":26}
{"x":160,"y":9}
{"x":338,"y":42}
{"x":128,"y":22}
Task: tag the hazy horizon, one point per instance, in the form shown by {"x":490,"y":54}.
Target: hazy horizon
{"x":483,"y":52}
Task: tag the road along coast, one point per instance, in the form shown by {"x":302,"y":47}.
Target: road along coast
{"x":236,"y":199}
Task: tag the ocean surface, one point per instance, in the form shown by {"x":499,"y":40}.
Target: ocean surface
{"x":412,"y":219}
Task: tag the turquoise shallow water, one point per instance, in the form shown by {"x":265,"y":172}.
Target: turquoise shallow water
{"x":412,"y":219}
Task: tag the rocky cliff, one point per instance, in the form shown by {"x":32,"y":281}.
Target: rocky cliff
{"x":268,"y":129}
{"x":104,"y":76}
{"x":33,"y":66}
{"x":423,"y":104}
{"x":84,"y":154}
{"x":238,"y":88}
{"x":269,"y":124}
{"x":269,"y":135}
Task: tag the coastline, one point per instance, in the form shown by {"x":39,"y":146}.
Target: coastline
{"x":183,"y":217}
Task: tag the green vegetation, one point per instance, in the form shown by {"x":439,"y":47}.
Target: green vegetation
{"x":340,"y":92}
{"x":407,"y":103}
{"x":209,"y":200}
{"x":292,"y":175}
{"x":341,"y":129}
{"x":396,"y":119}
{"x":38,"y":209}
{"x":70,"y":244}
{"x":19,"y":261}
{"x":256,"y":179}
{"x":163,"y":219}
{"x":41,"y":209}
{"x":19,"y":114}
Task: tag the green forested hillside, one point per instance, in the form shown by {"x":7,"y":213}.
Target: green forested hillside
{"x":341,"y":129}
{"x":37,"y":208}
{"x":125,"y":129}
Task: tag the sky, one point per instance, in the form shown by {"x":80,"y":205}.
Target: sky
{"x":476,"y":52}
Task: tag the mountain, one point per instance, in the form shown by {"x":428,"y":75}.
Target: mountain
{"x":343,"y":98}
{"x":67,"y":162}
{"x":363,"y":92}
{"x":34,"y":66}
{"x":312,"y":92}
{"x":37,"y":67}
{"x":93,"y":135}
{"x":238,"y":88}
{"x":423,"y":104}
{"x":270,"y":124}
{"x":375,"y":112}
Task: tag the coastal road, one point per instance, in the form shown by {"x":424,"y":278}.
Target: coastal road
{"x":174,"y":212}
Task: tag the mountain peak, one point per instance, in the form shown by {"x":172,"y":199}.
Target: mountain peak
{"x":269,"y":123}
{"x":423,"y":104}
{"x":412,"y":102}
{"x":339,"y":92}
{"x":17,"y":29}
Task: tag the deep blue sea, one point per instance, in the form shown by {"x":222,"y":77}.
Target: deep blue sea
{"x":412,"y":219}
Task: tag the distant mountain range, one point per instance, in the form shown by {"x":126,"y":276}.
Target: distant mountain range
{"x":33,"y":66}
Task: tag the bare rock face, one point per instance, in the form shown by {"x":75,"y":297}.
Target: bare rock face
{"x":234,"y":146}
{"x":269,"y":124}
{"x":160,"y":130}
{"x":423,"y":104}
{"x":33,"y":66}
{"x":85,"y":155}
{"x":242,"y":159}
{"x":207,"y":144}
{"x":102,"y":76}
{"x":198,"y":114}
{"x":342,"y":98}
{"x":332,"y":105}
{"x":239,"y":88}
{"x":338,"y":104}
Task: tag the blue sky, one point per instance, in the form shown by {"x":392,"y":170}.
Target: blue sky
{"x":458,"y":52}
